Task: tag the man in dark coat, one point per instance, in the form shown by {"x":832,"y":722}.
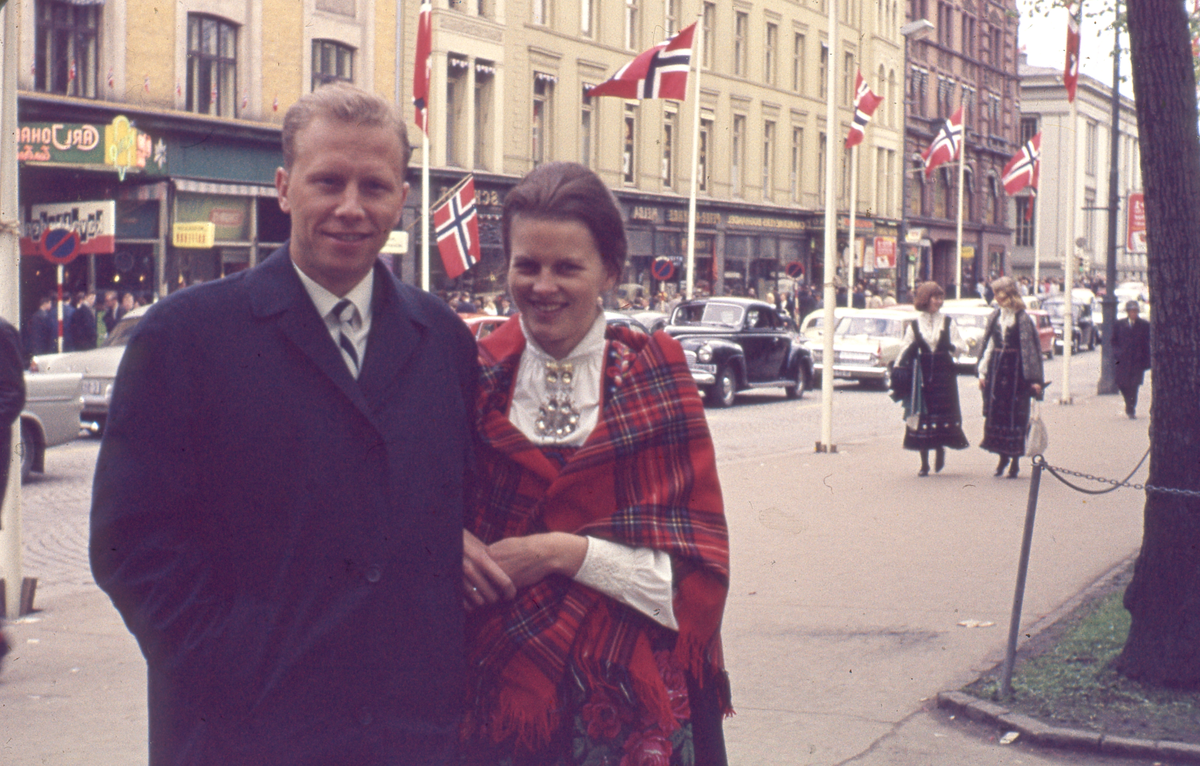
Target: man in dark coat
{"x":41,"y":332}
{"x":278,"y":502}
{"x":81,"y":329}
{"x":1131,"y":355}
{"x":12,"y":395}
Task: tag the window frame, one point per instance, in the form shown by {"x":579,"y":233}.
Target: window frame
{"x":53,"y":69}
{"x":335,"y":47}
{"x":226,"y":67}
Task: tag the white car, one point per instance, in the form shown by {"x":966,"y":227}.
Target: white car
{"x":98,"y":367}
{"x":865,"y":345}
{"x":50,"y":417}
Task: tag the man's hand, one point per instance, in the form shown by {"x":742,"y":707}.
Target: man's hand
{"x":484,"y":581}
{"x":529,"y":560}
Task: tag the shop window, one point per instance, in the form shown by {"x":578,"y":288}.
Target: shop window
{"x":67,"y":48}
{"x":331,"y":62}
{"x":211,"y":66}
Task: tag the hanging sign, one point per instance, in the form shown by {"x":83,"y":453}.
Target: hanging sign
{"x":885,"y":252}
{"x":1135,"y":226}
{"x":200,"y":235}
{"x":61,"y":231}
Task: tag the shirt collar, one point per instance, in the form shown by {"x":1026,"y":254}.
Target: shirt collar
{"x":592,"y":343}
{"x":360,"y":295}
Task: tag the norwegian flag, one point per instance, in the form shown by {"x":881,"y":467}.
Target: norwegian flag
{"x":1071,"y":69}
{"x":421,"y":70}
{"x":661,"y":72}
{"x":1022,"y":170}
{"x":946,"y":144}
{"x":275,"y":104}
{"x":865,"y":103}
{"x":111,"y":80}
{"x":456,"y":228}
{"x":71,"y":71}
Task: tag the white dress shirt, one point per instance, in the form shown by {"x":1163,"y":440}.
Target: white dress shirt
{"x":357,"y":331}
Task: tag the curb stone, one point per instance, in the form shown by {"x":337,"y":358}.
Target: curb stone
{"x":1043,"y":734}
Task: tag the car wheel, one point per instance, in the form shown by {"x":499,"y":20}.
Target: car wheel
{"x":1075,"y":345}
{"x":724,"y":391}
{"x":886,"y":381}
{"x":28,"y":448}
{"x":797,"y":391}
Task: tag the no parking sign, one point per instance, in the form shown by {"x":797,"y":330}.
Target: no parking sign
{"x":63,"y":230}
{"x":663,"y":269}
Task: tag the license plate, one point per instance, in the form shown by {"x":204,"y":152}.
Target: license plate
{"x":93,"y":387}
{"x":842,"y":374}
{"x":705,"y":367}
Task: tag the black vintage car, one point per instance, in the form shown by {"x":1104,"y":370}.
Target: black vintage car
{"x":1085,"y":333}
{"x":732,"y":344}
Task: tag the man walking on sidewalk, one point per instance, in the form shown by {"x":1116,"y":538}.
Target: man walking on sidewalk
{"x":1131,"y":354}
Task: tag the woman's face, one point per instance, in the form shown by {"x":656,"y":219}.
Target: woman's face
{"x":1004,"y":299}
{"x":935,"y":303}
{"x":556,"y":277}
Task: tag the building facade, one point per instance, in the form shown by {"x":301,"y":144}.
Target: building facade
{"x":1079,"y":188}
{"x":968,"y":59}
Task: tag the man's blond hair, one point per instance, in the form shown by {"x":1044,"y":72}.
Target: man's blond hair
{"x":346,"y":103}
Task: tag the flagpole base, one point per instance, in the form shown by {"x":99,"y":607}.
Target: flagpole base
{"x":830,"y":448}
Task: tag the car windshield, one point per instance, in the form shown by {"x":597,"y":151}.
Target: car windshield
{"x":971,"y":320}
{"x":719,"y":314}
{"x":120,"y":334}
{"x":870,"y":326}
{"x":1055,"y":309}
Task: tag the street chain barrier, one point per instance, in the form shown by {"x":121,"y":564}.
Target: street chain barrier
{"x":1057,"y":472}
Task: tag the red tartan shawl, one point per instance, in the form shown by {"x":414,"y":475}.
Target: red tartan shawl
{"x":645,"y":477}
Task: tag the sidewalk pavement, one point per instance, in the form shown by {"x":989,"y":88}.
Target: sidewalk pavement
{"x":859,"y":592}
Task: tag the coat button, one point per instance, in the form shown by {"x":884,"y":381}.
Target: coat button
{"x":372,"y":574}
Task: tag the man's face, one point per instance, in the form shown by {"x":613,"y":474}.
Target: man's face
{"x":345,"y":191}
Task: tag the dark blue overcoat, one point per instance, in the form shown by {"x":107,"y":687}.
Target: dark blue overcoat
{"x":284,"y":541}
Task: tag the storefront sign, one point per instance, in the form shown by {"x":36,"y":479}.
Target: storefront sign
{"x":702,"y":218}
{"x":860,"y":224}
{"x":397,"y":243}
{"x":968,"y":252}
{"x":118,"y":145}
{"x":766,"y":222}
{"x":199,"y":236}
{"x":90,"y":227}
{"x":230,"y":215}
{"x":1135,"y":226}
{"x":914,"y":236}
{"x":885,"y":252}
{"x":644,"y":213}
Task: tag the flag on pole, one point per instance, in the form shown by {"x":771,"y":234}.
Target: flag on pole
{"x":421,"y":70}
{"x":456,"y":228}
{"x":1022,"y":170}
{"x":1071,"y":70}
{"x":946,"y":144}
{"x":660,"y":72}
{"x":865,"y":103}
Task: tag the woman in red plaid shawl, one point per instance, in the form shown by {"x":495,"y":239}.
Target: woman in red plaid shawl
{"x":597,"y":559}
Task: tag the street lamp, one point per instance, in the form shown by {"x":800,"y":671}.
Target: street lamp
{"x":917,"y":27}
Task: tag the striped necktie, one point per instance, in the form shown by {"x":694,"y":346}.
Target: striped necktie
{"x":345,"y":312}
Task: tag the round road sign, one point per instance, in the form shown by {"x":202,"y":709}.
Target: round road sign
{"x":795,"y":269}
{"x":60,"y":245}
{"x":663,"y":269}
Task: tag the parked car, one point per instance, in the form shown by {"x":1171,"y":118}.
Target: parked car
{"x":865,"y":346}
{"x":810,"y":325}
{"x":653,"y":321}
{"x":481,"y":325}
{"x":98,"y":366}
{"x":1045,"y":330}
{"x":733,"y":344}
{"x":50,"y":418}
{"x":971,"y":316}
{"x":1085,"y":332}
{"x":624,"y":320}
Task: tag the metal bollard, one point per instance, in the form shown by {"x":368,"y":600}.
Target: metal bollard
{"x":1014,"y":627}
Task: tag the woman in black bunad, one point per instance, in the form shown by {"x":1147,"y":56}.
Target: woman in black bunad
{"x":597,"y":557}
{"x":931,"y":342}
{"x":1010,"y":373}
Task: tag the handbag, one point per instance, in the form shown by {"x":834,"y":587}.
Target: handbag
{"x":1036,"y":437}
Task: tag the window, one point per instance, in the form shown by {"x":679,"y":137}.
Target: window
{"x":672,"y":17}
{"x":1091,"y":138}
{"x":821,"y":169}
{"x":212,"y":66}
{"x":737,"y":158}
{"x":798,"y":63}
{"x":709,"y":24}
{"x":848,"y":72}
{"x":889,"y":201}
{"x":706,"y":127}
{"x":970,"y":47}
{"x":919,"y":83}
{"x":331,"y":62}
{"x":1029,"y":128}
{"x":587,"y":129}
{"x":822,"y":69}
{"x":941,"y":193}
{"x":67,"y":49}
{"x":485,"y":75}
{"x":771,"y":54}
{"x":768,"y":160}
{"x":945,"y":95}
{"x":893,"y":101}
{"x":628,"y":151}
{"x":631,"y":24}
{"x":540,"y":12}
{"x":797,"y":164}
{"x":882,"y":91}
{"x":740,"y":21}
{"x":1089,"y":220}
{"x":485,"y":8}
{"x":968,"y":105}
{"x":543,"y":101}
{"x":670,"y":121}
{"x":587,"y":17}
{"x":1026,"y":229}
{"x":456,"y":119}
{"x":945,"y":25}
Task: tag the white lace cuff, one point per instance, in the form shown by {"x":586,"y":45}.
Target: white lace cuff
{"x":637,"y":577}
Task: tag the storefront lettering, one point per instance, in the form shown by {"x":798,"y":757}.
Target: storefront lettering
{"x":703,"y":219}
{"x":27,"y":154}
{"x":82,"y":137}
{"x":766,"y":223}
{"x":644,"y":213}
{"x":92,"y":225}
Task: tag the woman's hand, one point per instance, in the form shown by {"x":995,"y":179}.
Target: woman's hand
{"x":982,"y":383}
{"x":530,"y":559}
{"x":1036,"y":388}
{"x":484,"y":581}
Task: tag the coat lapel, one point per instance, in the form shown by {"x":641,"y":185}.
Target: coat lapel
{"x":397,"y":327}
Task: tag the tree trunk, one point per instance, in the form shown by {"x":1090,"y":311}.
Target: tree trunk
{"x":1164,"y":597}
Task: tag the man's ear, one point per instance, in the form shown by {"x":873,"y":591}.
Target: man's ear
{"x":281,"y":186}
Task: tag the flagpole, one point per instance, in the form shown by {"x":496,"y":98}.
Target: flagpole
{"x":830,"y":295}
{"x":425,"y":208}
{"x":853,"y":225}
{"x":697,"y":48}
{"x":1037,"y":242}
{"x":962,"y":165}
{"x":1069,"y":270}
